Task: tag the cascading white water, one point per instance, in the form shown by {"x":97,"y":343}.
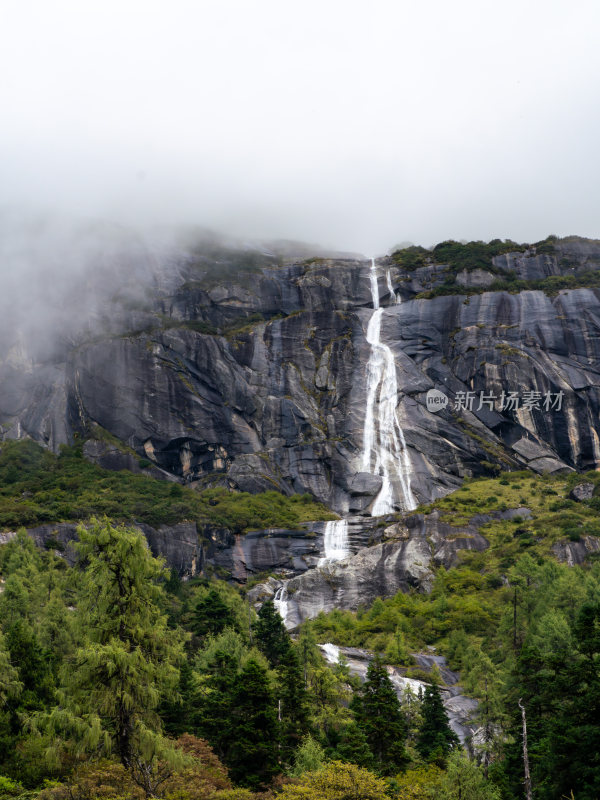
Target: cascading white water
{"x":393,"y":294}
{"x":384,"y":448}
{"x":331,"y":652}
{"x":335,"y":541}
{"x":280,"y":602}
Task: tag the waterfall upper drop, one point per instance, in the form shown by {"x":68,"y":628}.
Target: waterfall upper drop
{"x":335,"y":541}
{"x":384,"y":448}
{"x":388,"y":279}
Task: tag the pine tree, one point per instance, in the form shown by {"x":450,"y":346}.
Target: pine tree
{"x":33,"y":663}
{"x":216,"y":703}
{"x":436,"y":738}
{"x":353,"y":747}
{"x":211,"y":615}
{"x":378,"y":715}
{"x":271,"y":636}
{"x":128,"y":659}
{"x":252,"y":755}
{"x":178,"y":713}
{"x":294,"y":709}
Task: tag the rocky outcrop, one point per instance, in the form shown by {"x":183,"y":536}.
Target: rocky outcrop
{"x":275,"y":550}
{"x":248,"y":368}
{"x":405,"y":559}
{"x":576,"y":552}
{"x":461,"y":710}
{"x":582,"y":492}
{"x":235,"y":557}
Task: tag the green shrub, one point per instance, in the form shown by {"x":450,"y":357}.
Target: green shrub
{"x":48,"y":488}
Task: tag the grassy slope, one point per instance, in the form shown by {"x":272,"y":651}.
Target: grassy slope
{"x":37,"y":487}
{"x":470,"y":610}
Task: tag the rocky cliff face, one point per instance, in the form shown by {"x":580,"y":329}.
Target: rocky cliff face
{"x":249,"y":369}
{"x":401,"y":557}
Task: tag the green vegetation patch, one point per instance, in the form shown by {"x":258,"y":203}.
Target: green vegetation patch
{"x":469,"y":256}
{"x":37,"y":487}
{"x":476,"y":597}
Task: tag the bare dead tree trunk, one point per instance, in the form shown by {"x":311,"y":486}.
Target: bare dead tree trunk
{"x":527,"y":781}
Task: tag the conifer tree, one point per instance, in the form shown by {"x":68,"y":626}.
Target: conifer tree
{"x":378,"y":715}
{"x":252,"y":755}
{"x":293,"y":699}
{"x":353,"y":747}
{"x":211,"y":615}
{"x":271,"y":636}
{"x":128,"y":660}
{"x":215,"y":703}
{"x":178,"y":713}
{"x":436,"y":738}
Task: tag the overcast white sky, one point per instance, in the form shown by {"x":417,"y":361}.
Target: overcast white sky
{"x":354,"y":124}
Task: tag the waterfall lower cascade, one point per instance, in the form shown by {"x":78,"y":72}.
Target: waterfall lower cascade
{"x":280,"y":601}
{"x":335,"y":541}
{"x":384,"y":448}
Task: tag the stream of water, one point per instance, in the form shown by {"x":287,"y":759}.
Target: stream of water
{"x":335,"y":541}
{"x":384,"y":448}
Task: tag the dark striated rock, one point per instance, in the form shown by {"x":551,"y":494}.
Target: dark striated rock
{"x":248,"y":369}
{"x":110,"y":456}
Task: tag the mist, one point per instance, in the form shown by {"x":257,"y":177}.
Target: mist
{"x":348,"y":124}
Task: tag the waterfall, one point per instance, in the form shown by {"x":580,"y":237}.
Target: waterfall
{"x":331,"y":652}
{"x":335,"y":541}
{"x":384,"y":448}
{"x":281,"y":602}
{"x":393,"y":294}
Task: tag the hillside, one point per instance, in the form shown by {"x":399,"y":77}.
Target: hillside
{"x":260,"y":420}
{"x":249,"y":368}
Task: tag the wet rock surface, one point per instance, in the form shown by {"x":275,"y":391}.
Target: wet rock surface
{"x":248,"y":367}
{"x":404,"y":559}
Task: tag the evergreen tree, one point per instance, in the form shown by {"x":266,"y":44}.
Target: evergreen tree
{"x":252,"y":755}
{"x":271,"y":636}
{"x":436,"y":738}
{"x":309,"y":757}
{"x":465,"y":780}
{"x":560,"y":689}
{"x":33,"y":663}
{"x":128,"y":659}
{"x":353,"y":747}
{"x":173,"y":584}
{"x":10,"y":690}
{"x":378,"y":715}
{"x":211,"y":615}
{"x":178,"y":713}
{"x":215,"y":703}
{"x":294,"y":708}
